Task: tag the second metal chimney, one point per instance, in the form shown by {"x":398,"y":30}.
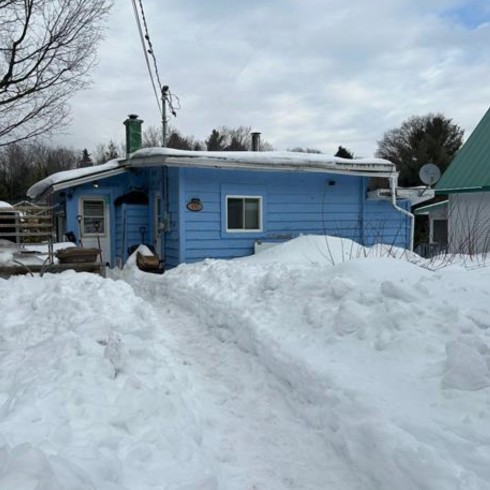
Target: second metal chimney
{"x":255,"y":141}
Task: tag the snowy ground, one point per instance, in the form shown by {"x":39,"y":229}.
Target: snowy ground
{"x":293,"y":369}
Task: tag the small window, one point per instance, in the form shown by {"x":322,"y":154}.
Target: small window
{"x":244,"y":213}
{"x":439,"y":233}
{"x":93,"y":216}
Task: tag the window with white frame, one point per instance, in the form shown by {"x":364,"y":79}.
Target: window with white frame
{"x":243,"y":213}
{"x":93,"y":217}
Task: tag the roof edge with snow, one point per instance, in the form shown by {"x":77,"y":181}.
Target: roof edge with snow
{"x":278,"y":161}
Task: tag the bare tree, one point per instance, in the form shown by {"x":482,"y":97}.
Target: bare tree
{"x":46,"y":50}
{"x":152,"y":137}
{"x":23,"y":164}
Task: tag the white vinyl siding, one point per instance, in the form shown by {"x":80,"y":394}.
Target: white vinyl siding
{"x":469,"y":222}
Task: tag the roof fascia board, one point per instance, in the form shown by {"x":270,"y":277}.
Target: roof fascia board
{"x":373,"y":170}
{"x":462,"y":190}
{"x":86,"y":179}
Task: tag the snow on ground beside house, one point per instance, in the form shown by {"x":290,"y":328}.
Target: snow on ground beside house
{"x":87,"y":398}
{"x":387,"y":360}
{"x":315,"y":364}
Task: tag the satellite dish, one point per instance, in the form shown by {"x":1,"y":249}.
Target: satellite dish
{"x":429,"y":174}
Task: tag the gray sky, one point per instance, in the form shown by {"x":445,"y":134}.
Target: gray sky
{"x":311,"y":73}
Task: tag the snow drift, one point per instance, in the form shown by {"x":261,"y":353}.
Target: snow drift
{"x":386,"y":360}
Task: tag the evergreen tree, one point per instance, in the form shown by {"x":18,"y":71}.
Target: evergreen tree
{"x":215,"y":142}
{"x":236,"y":145}
{"x":86,"y":160}
{"x":344,"y":153}
{"x":233,"y":139}
{"x":419,"y":140}
{"x":179,"y":142}
{"x":111,"y":151}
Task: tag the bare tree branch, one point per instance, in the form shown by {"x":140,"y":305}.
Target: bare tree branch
{"x":47,"y":48}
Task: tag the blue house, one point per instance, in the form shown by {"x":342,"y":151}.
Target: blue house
{"x":195,"y":205}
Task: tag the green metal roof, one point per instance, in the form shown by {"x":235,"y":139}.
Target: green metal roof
{"x":470,"y":168}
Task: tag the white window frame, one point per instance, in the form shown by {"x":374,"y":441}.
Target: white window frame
{"x":104,"y":216}
{"x":244,"y":230}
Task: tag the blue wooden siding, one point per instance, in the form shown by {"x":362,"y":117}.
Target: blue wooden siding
{"x":119,"y":213}
{"x":155,"y":185}
{"x":383,"y":224}
{"x":135,"y":217}
{"x":171,"y":215}
{"x":111,"y":188}
{"x":72,"y":203}
{"x":293,"y":204}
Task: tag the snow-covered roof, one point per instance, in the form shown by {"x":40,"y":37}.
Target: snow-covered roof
{"x":68,"y":178}
{"x":244,"y":160}
{"x":415,"y":195}
{"x":262,"y":160}
{"x":4,"y":205}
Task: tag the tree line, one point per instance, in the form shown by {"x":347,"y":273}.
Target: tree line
{"x":25,"y":162}
{"x":432,"y":138}
{"x":47,"y":48}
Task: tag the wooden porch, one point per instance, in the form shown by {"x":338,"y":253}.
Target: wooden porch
{"x":27,"y":236}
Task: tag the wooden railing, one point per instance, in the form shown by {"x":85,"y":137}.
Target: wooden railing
{"x":27,"y":223}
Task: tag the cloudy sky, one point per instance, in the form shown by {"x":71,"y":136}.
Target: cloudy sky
{"x":310,"y":73}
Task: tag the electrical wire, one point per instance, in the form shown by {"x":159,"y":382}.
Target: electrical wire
{"x":163,"y":95}
{"x":142,"y":38}
{"x":174,"y":107}
{"x":150,"y":46}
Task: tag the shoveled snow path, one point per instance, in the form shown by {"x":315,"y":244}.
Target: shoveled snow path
{"x":250,"y":435}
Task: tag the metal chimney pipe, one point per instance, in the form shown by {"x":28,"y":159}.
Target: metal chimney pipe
{"x":133,"y":134}
{"x":255,"y":141}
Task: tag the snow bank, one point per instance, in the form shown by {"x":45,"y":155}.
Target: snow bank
{"x":387,"y":359}
{"x":87,"y":400}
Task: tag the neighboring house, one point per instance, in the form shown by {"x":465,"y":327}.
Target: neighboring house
{"x":438,"y":235}
{"x":467,"y":184}
{"x":195,"y":205}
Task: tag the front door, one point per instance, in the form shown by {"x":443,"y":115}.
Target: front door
{"x":94,"y":225}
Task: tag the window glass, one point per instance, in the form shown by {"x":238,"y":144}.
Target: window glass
{"x":252,"y":219}
{"x":235,"y":214}
{"x":93,"y":216}
{"x":243,"y":213}
{"x":440,"y":231}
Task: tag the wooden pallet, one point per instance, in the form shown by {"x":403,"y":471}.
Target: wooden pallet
{"x":94,"y":267}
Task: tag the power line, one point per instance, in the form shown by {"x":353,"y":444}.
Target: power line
{"x":150,"y":46}
{"x":142,"y":38}
{"x":174,"y":106}
{"x":163,"y":95}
